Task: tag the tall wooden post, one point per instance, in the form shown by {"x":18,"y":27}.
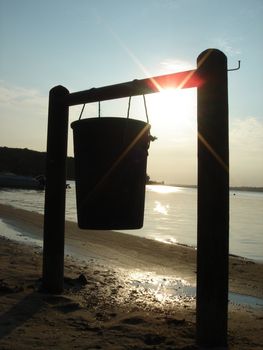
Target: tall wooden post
{"x":213,"y":200}
{"x":54,"y":219}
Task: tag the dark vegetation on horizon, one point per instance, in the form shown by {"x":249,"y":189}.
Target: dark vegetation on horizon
{"x":22,"y":161}
{"x":27,"y":162}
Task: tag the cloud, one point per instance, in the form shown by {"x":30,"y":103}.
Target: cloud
{"x":16,"y":98}
{"x":24,"y":117}
{"x":247,"y":134}
{"x":170,"y":65}
{"x":227,"y":46}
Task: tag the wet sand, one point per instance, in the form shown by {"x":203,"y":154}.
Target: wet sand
{"x":117,"y":293}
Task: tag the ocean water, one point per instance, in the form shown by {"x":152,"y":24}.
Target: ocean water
{"x":171,"y":215}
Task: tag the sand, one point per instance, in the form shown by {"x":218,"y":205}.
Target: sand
{"x":117,"y":293}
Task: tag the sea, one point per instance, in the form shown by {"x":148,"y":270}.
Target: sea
{"x":171,"y":215}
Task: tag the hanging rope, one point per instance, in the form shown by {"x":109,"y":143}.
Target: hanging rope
{"x":99,"y":110}
{"x":129,"y":106}
{"x":82,"y":111}
{"x":128,"y":111}
{"x":145,"y":107}
{"x":83,"y":107}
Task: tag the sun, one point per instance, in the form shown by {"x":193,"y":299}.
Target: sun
{"x":173,"y":119}
{"x":173,"y":109}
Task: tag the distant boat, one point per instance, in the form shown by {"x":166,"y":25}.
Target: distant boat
{"x":23,"y":182}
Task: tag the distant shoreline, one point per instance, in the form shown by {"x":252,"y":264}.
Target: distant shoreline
{"x":27,"y":162}
{"x":232,"y":188}
{"x":249,"y":189}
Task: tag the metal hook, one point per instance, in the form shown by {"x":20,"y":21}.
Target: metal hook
{"x":238,"y":67}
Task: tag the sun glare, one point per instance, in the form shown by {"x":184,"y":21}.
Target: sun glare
{"x":173,"y":108}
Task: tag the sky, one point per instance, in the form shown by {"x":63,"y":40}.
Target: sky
{"x":82,"y":44}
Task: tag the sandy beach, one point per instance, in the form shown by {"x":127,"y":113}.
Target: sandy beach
{"x":120,"y":293}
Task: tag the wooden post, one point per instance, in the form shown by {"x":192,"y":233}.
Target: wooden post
{"x":213,"y":200}
{"x":54,"y":219}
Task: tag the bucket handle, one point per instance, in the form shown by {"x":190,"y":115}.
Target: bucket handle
{"x":84,"y":107}
{"x":82,"y":110}
{"x":128,"y":111}
{"x":145,"y":108}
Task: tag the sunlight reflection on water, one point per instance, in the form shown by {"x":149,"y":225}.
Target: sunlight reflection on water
{"x":171,"y":215}
{"x":163,"y":288}
{"x":161,"y":209}
{"x":163,"y":189}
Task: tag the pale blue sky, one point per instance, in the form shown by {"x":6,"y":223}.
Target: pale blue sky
{"x":82,"y":44}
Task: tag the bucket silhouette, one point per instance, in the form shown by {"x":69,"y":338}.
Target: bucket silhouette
{"x":110,"y":171}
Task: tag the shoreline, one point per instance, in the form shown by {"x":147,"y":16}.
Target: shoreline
{"x":121,"y":250}
{"x":177,"y":222}
{"x":120,"y":296}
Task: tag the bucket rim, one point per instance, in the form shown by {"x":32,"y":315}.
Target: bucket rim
{"x":102,"y":119}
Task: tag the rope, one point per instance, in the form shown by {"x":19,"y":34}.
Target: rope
{"x":145,"y":107}
{"x":82,"y":111}
{"x":128,"y":111}
{"x":83,"y":107}
{"x":99,"y":110}
{"x":129,"y":106}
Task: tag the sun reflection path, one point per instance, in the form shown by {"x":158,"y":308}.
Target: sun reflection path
{"x":163,"y":189}
{"x":164,"y":289}
{"x":161,"y":209}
